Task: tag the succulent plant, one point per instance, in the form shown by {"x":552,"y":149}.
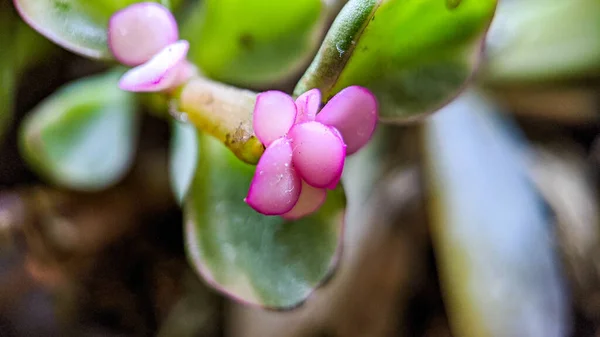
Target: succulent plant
{"x":266,"y":99}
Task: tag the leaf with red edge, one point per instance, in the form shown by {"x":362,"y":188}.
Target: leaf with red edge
{"x":256,"y":259}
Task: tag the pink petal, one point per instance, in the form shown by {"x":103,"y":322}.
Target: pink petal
{"x":160,"y":73}
{"x":311,"y":199}
{"x":274,"y":115}
{"x":308,"y":105}
{"x":276,"y":186}
{"x":353,"y":111}
{"x":318,"y":153}
{"x":185,"y":71}
{"x":138,"y":32}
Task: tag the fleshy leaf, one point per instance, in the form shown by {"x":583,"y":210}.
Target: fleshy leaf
{"x":274,"y":115}
{"x":492,"y":233}
{"x":308,"y":105}
{"x":253,"y":42}
{"x":276,"y":186}
{"x":138,"y":32}
{"x":413,"y":55}
{"x":319,"y":153}
{"x":184,"y":157}
{"x":161,"y":72}
{"x":83,"y":136}
{"x":538,"y":40}
{"x":256,"y":259}
{"x":78,"y":25}
{"x":353,"y":112}
{"x":311,"y":199}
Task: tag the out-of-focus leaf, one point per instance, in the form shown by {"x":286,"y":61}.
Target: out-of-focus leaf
{"x":77,"y":25}
{"x":563,"y":104}
{"x":194,"y":313}
{"x":563,"y":174}
{"x":492,"y":232}
{"x":21,"y":47}
{"x":31,"y":47}
{"x":83,"y":136}
{"x":8,"y":72}
{"x":7,"y":79}
{"x":253,"y":42}
{"x":414,"y":55}
{"x":538,"y":40}
{"x":184,"y":157}
{"x":256,"y":259}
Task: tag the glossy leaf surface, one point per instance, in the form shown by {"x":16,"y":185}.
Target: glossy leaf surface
{"x":413,"y":55}
{"x":256,"y":259}
{"x":253,"y":42}
{"x":83,"y":136}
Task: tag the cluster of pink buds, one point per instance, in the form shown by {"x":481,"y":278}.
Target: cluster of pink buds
{"x":305,"y":151}
{"x":146,"y":37}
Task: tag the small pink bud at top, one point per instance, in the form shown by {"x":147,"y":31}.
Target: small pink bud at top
{"x":308,"y":105}
{"x":137,"y":32}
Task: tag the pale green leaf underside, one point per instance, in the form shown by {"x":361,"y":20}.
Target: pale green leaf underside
{"x":184,"y":157}
{"x":415,"y":55}
{"x":83,"y":136}
{"x":256,"y":259}
{"x":77,"y":25}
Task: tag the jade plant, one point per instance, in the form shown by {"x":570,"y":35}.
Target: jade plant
{"x":266,"y":100}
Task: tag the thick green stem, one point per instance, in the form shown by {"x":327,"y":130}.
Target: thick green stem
{"x":222,"y":111}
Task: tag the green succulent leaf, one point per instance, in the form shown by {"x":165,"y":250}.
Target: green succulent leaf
{"x":253,"y":42}
{"x":256,"y":259}
{"x":415,"y":55}
{"x":184,"y":157}
{"x":77,"y":25}
{"x":491,"y":230}
{"x":538,"y":40}
{"x":83,"y":136}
